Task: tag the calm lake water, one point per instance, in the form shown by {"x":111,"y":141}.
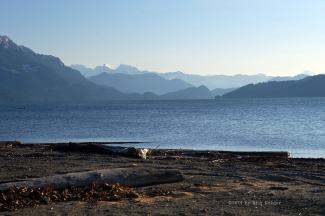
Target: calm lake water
{"x":295,"y":125}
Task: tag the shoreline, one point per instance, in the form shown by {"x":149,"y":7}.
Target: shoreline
{"x":216,"y":182}
{"x":138,"y":144}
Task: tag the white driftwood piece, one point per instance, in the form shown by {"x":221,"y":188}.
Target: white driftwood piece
{"x":134,"y":177}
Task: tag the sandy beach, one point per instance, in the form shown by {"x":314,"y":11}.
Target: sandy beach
{"x":216,"y":183}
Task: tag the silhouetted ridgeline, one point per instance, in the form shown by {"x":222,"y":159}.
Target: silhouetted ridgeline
{"x":26,"y":76}
{"x":210,"y":81}
{"x":200,"y":92}
{"x":217,"y":81}
{"x":288,"y":78}
{"x":121,"y":69}
{"x":313,"y":86}
{"x":139,"y":83}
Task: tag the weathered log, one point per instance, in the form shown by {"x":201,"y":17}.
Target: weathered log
{"x":102,"y":149}
{"x":133,"y":177}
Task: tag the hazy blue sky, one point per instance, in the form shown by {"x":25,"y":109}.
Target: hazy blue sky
{"x":275,"y":37}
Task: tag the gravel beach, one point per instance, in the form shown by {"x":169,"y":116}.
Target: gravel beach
{"x":216,"y":183}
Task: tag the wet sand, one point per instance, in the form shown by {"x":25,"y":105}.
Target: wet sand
{"x":216,"y":183}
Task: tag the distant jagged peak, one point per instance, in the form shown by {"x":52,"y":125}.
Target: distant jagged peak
{"x":307,"y":72}
{"x":125,"y":67}
{"x":5,"y":39}
{"x":6,"y":42}
{"x":103,"y":68}
{"x":108,"y":66}
{"x":128,"y":69}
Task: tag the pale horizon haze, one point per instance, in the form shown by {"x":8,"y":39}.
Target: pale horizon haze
{"x":278,"y":37}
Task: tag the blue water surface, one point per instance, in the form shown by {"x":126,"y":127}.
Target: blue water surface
{"x":296,"y":125}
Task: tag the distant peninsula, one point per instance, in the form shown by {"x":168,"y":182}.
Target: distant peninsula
{"x":313,"y":86}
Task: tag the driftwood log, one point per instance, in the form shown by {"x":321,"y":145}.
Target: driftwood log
{"x":133,"y":177}
{"x":102,"y":149}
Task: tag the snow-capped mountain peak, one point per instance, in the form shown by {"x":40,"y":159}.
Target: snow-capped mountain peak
{"x":6,"y":42}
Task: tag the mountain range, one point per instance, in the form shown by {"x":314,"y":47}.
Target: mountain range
{"x":217,"y":81}
{"x":123,"y":69}
{"x":26,"y":76}
{"x":287,"y":78}
{"x":210,"y":81}
{"x":139,"y":83}
{"x":312,"y":86}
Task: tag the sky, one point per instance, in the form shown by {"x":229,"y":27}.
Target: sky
{"x":274,"y":37}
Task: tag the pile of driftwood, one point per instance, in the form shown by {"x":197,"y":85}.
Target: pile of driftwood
{"x":15,"y":198}
{"x":107,"y":184}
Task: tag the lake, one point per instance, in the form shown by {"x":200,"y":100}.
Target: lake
{"x":296,"y":125}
